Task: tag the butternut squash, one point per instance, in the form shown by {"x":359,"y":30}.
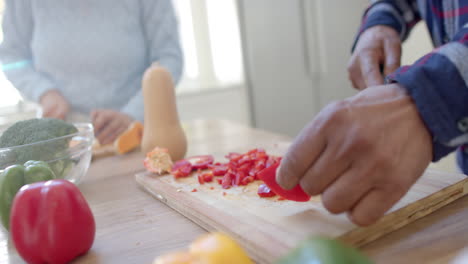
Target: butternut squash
{"x":162,"y":126}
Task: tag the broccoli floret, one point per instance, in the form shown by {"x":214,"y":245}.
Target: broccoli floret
{"x":32,"y":131}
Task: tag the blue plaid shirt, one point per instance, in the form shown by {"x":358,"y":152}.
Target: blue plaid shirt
{"x":437,"y":82}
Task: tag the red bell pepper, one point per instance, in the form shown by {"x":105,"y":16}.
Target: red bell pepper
{"x":268,"y":175}
{"x":51,"y":222}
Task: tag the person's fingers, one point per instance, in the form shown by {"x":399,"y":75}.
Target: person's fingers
{"x":118,"y":132}
{"x":93,"y":115}
{"x":344,"y":193}
{"x":61,"y":111}
{"x":373,"y":206}
{"x":47,"y":110}
{"x":305,"y":149}
{"x":110,"y":138}
{"x":355,"y":76}
{"x":370,"y":69}
{"x":55,"y":112}
{"x":392,"y":51}
{"x":328,"y":167}
{"x":107,"y":133}
{"x":100,"y":121}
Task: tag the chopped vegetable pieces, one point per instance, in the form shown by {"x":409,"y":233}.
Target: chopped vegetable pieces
{"x":264,"y":191}
{"x":158,"y":161}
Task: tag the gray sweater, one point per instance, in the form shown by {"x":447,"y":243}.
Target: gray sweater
{"x":93,"y":51}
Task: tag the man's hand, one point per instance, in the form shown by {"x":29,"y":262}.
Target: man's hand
{"x":109,"y":124}
{"x":54,"y":105}
{"x":362,"y":154}
{"x":377,"y":47}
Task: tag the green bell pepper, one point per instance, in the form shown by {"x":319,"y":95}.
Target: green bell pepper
{"x":15,"y":177}
{"x":324,"y":251}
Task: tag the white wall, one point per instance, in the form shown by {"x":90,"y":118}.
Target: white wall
{"x":296,"y":53}
{"x":228,"y":103}
{"x":418,"y":44}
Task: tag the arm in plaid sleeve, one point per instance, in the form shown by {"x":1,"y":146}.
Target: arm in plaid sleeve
{"x":438,"y":84}
{"x":400,"y":15}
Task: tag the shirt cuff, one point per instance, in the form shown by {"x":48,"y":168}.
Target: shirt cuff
{"x":440,"y":95}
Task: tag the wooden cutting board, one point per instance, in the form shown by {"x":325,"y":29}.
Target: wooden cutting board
{"x":268,"y":228}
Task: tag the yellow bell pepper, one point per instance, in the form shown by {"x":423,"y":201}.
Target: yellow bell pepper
{"x":213,"y":248}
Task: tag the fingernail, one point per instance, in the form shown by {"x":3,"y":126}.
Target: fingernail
{"x":283,"y":179}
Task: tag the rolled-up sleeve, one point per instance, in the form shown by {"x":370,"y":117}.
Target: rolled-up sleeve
{"x":401,"y":15}
{"x":438,"y":84}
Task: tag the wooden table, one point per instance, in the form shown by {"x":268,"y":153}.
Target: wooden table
{"x":132,"y":227}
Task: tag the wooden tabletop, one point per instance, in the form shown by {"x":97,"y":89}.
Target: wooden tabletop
{"x":132,"y":227}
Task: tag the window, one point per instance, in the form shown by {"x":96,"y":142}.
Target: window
{"x":210,"y":37}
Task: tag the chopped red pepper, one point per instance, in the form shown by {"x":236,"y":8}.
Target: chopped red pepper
{"x":268,"y":175}
{"x":201,"y":162}
{"x":201,"y":180}
{"x":247,"y":180}
{"x":194,"y":190}
{"x":211,"y":188}
{"x":219,"y":170}
{"x":207,"y":177}
{"x":182,"y":168}
{"x":224,"y":193}
{"x":233,"y":156}
{"x":227,"y":180}
{"x":240,"y":170}
{"x":264,"y":191}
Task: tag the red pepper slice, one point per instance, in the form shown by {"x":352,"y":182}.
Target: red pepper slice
{"x":201,"y":161}
{"x":268,"y":175}
{"x":181,"y":169}
{"x":264,"y":191}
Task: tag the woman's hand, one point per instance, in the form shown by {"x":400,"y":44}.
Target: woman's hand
{"x":378,"y":46}
{"x":54,"y":105}
{"x":109,"y":124}
{"x":362,"y":154}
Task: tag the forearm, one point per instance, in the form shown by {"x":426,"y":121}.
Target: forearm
{"x":31,"y":84}
{"x":399,"y":15}
{"x":438,"y":84}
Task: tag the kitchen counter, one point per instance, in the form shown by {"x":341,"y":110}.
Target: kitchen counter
{"x":133,"y":227}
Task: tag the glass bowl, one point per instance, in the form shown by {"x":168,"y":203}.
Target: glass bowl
{"x":71,"y":163}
